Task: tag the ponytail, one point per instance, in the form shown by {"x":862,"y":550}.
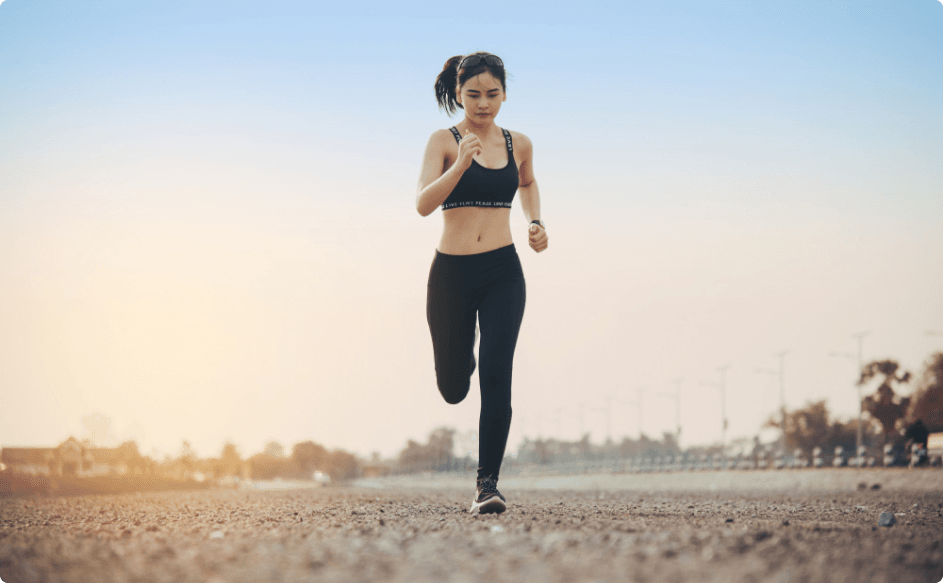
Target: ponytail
{"x":445,"y":85}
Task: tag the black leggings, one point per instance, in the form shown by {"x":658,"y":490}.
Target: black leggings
{"x":491,"y":284}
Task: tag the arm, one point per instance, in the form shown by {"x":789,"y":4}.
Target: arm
{"x":439,"y":174}
{"x":530,"y":195}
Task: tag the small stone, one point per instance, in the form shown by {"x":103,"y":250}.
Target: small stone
{"x":729,"y":520}
{"x":875,"y":486}
{"x":785,"y":523}
{"x":217,"y":534}
{"x":886,"y":519}
{"x":862,"y":486}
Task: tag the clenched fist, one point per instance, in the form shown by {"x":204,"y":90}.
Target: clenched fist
{"x":537,"y":237}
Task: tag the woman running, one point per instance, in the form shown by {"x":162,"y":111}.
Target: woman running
{"x":473,"y":170}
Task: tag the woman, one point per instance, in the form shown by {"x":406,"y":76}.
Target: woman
{"x":473,"y":170}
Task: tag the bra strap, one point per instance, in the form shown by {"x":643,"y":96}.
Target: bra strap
{"x":458,"y":136}
{"x":507,"y":138}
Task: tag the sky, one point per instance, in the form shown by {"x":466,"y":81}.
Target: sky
{"x":208,"y":228}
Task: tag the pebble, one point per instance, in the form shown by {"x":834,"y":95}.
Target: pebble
{"x":217,"y":534}
{"x":886,"y":519}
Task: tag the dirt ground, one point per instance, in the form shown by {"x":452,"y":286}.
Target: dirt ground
{"x":419,"y":535}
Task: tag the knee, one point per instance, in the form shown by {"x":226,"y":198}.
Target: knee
{"x":454,"y":392}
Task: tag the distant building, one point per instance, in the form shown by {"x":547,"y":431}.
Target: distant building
{"x":71,"y":458}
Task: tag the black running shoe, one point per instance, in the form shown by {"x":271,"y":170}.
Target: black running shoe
{"x":487,"y":498}
{"x":473,"y":363}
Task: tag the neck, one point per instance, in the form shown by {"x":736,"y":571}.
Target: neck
{"x":477,"y":128}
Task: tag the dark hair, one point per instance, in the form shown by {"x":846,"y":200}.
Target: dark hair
{"x":451,"y":77}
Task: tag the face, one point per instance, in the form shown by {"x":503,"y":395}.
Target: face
{"x":481,"y":96}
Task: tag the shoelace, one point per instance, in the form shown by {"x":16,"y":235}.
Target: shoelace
{"x":488,"y":485}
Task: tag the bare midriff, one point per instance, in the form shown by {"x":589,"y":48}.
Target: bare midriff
{"x":472,"y":230}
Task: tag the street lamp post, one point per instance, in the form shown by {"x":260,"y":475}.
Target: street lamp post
{"x":580,"y":416}
{"x":723,"y":405}
{"x":640,"y":393}
{"x":782,"y":393}
{"x":608,"y":411}
{"x":638,"y":404}
{"x":860,"y":358}
{"x":677,"y":397}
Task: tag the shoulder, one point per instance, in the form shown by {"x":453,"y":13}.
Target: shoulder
{"x":440,"y":141}
{"x":442,"y":136}
{"x":521,"y":142}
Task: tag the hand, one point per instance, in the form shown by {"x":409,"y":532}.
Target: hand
{"x":537,"y":237}
{"x":468,"y":148}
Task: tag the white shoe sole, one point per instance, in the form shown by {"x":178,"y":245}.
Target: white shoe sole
{"x":491,"y":505}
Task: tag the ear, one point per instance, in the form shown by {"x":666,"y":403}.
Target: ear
{"x":458,"y":91}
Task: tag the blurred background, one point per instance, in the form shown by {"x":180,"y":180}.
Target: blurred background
{"x":208,"y":233}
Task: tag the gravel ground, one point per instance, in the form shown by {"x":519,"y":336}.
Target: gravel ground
{"x":417,"y":535}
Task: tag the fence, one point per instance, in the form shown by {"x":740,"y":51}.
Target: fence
{"x":932,"y":455}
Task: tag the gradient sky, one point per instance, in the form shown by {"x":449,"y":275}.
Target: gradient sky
{"x":208,"y":226}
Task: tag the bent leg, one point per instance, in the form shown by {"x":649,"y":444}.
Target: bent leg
{"x":500,"y":315}
{"x":450,"y":312}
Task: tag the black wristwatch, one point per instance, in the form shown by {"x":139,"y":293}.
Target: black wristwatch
{"x":539,"y":223}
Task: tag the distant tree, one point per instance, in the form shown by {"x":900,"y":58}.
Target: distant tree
{"x":308,"y":457}
{"x":274,"y":449}
{"x":264,"y":466}
{"x":440,"y":444}
{"x":435,"y":454}
{"x":670,"y":441}
{"x":343,"y":465}
{"x":811,"y":426}
{"x":137,"y":464}
{"x":926,"y":403}
{"x":882,"y":405}
{"x":230,"y":462}
{"x":188,"y":457}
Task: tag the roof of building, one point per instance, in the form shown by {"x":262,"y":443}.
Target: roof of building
{"x":28,"y":455}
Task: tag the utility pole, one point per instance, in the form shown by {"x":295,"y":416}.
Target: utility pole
{"x":860,"y":336}
{"x":638,"y":404}
{"x":580,"y":417}
{"x":609,"y":418}
{"x":640,"y":417}
{"x":677,"y":397}
{"x":608,"y":411}
{"x":723,"y":404}
{"x":781,"y":373}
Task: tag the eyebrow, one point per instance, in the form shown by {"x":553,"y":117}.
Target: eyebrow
{"x":469,"y":90}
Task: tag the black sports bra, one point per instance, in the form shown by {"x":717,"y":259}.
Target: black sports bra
{"x":485,"y":187}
